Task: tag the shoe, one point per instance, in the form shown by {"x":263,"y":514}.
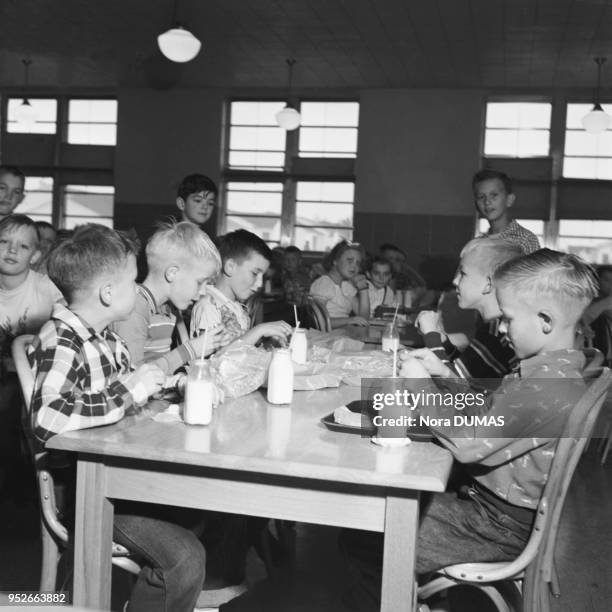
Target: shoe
{"x":213,"y":598}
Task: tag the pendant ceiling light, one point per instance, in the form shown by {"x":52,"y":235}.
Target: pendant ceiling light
{"x":25,"y":113}
{"x":289,"y":118}
{"x":597,"y":120}
{"x":178,"y":44}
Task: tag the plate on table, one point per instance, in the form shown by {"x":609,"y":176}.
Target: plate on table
{"x":417,"y":434}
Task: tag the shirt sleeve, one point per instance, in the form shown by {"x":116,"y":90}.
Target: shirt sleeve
{"x":205,"y":315}
{"x":323,"y":289}
{"x":135,"y":330}
{"x":60,"y":403}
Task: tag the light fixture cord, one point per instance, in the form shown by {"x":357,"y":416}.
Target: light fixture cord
{"x":599,"y":61}
{"x":290,"y":63}
{"x":26,"y":63}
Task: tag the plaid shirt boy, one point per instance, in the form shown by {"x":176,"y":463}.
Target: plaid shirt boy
{"x":82,"y":378}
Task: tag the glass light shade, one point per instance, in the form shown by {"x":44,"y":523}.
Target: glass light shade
{"x":288,"y":118}
{"x":179,"y":45}
{"x":596,"y":120}
{"x":25,"y":113}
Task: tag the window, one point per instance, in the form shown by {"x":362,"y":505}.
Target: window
{"x":270,"y":192}
{"x":88,"y":204}
{"x":46,"y":116}
{"x":324,"y":214}
{"x":92,"y":122}
{"x":517,"y":129}
{"x":586,"y":156}
{"x":533,"y":225}
{"x":38,"y":201}
{"x":329,"y":129}
{"x":590,"y":239}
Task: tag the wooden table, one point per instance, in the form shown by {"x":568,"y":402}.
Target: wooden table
{"x":255,"y":459}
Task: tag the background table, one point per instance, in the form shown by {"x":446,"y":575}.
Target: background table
{"x":256,"y":459}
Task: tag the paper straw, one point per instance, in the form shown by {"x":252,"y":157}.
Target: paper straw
{"x":202,"y":356}
{"x":297,"y":326}
{"x":395,"y":362}
{"x":395,"y":313}
{"x":297,"y":323}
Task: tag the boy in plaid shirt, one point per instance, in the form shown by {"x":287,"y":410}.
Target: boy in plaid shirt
{"x":84,"y":378}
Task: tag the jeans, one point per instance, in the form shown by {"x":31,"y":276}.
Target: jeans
{"x":452,"y":530}
{"x":172,"y":558}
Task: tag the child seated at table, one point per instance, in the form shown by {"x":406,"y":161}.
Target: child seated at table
{"x":489,"y":353}
{"x":245,"y":258}
{"x":379,"y":275}
{"x":83,"y":377}
{"x":181,"y":258}
{"x":598,"y":316}
{"x":344,"y":289}
{"x":295,"y":277}
{"x":542,"y":297}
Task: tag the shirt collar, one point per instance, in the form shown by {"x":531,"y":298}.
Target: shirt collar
{"x":82,"y":329}
{"x":562,"y":360}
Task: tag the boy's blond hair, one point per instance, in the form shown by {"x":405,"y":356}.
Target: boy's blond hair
{"x":560,"y":279}
{"x":181,"y":242}
{"x":493,"y":252}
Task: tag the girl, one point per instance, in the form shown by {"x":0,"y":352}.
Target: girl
{"x":344,"y":290}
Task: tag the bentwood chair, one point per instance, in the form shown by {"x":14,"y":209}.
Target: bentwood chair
{"x":318,"y":314}
{"x":527,"y":582}
{"x":55,"y":537}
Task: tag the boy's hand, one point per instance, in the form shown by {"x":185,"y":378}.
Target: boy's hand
{"x":358,"y":321}
{"x":427,"y":359}
{"x":275,"y":329}
{"x":151,"y":377}
{"x":360,"y":281}
{"x":429,"y":321}
{"x":216,"y":338}
{"x":412,"y":368}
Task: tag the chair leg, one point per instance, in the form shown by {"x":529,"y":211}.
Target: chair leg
{"x":496,"y":597}
{"x":50,"y":558}
{"x":555,"y":587}
{"x":606,"y":449}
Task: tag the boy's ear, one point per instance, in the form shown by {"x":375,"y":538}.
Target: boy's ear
{"x":180,"y":203}
{"x":36,"y":256}
{"x":229,"y":266}
{"x":511,"y":199}
{"x":488,"y":286}
{"x":546,"y":321}
{"x":170,"y":273}
{"x":368,"y":274}
{"x":106,"y":294}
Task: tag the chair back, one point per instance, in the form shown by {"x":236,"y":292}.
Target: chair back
{"x":318,"y":314}
{"x":22,"y":365}
{"x":578,"y":429}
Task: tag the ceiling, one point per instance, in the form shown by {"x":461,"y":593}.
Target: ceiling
{"x":349,"y":44}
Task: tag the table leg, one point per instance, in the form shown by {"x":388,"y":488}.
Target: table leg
{"x":92,"y":538}
{"x":401,"y":525}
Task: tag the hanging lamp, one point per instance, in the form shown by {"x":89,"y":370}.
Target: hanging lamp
{"x":597,"y":120}
{"x":289,"y":118}
{"x":178,"y":44}
{"x":25,"y":113}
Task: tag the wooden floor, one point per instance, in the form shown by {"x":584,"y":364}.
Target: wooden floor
{"x":315,"y":584}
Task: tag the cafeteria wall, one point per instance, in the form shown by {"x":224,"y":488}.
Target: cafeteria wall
{"x":417,"y":152}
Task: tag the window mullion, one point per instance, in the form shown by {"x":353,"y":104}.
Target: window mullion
{"x":288,"y":215}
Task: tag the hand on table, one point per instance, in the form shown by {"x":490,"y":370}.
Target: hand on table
{"x":276,"y":329}
{"x":360,"y":321}
{"x":151,"y":377}
{"x":429,"y":321}
{"x":429,"y":361}
{"x":215,"y":339}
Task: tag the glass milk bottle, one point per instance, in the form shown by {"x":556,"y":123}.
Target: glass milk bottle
{"x":280,"y":377}
{"x":199,"y":393}
{"x":390,"y":338}
{"x":299,"y":346}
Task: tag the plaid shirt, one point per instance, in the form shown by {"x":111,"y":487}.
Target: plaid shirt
{"x":82,"y":378}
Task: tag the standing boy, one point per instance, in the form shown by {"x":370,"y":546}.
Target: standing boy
{"x":494,"y":196}
{"x":12,"y":185}
{"x":196,"y":198}
{"x":83,"y":378}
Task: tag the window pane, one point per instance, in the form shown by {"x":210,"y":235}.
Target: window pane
{"x":72,"y":222}
{"x":518,"y":115}
{"x":255,"y":113}
{"x":311,"y":213}
{"x":320,"y":238}
{"x":267,"y":228}
{"x":38,"y":202}
{"x":254,"y":203}
{"x":590,"y":239}
{"x":328,"y":142}
{"x":501,"y":142}
{"x":579,"y":142}
{"x":580,"y":167}
{"x":92,"y":134}
{"x":330,"y":113}
{"x":532,"y":143}
{"x":253,"y":160}
{"x":46,"y":116}
{"x":257,"y":139}
{"x":329,"y":191}
{"x":502,"y":115}
{"x":92,"y":111}
{"x":575,"y":113}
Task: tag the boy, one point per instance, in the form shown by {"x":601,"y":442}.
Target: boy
{"x":295,"y":277}
{"x":180,"y":259}
{"x":489,"y":354}
{"x":542,"y":297}
{"x":12,"y":184}
{"x":83,"y":378}
{"x":494,"y":196}
{"x":404,"y":277}
{"x":48,"y":236}
{"x":379,"y":276}
{"x":245,"y":257}
{"x":196,"y":199}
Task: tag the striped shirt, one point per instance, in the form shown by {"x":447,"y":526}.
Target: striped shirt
{"x":82,"y":378}
{"x":489,"y":354}
{"x":148,"y":334}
